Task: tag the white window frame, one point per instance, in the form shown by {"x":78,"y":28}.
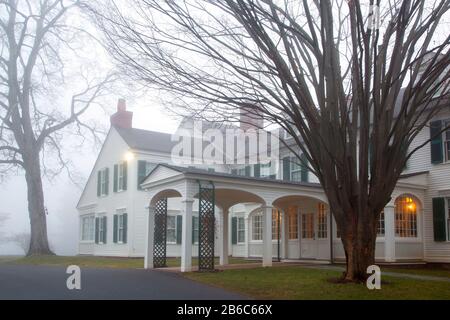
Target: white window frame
{"x":265,"y":170}
{"x":174,"y":217}
{"x":322,"y":222}
{"x":240,"y":230}
{"x":381,"y":228}
{"x":120,"y":176}
{"x":447,"y":211}
{"x":195,"y":228}
{"x":293,"y":227}
{"x":295,"y":168}
{"x":120,"y":228}
{"x":398,"y":235}
{"x":241,"y":171}
{"x":103,"y":182}
{"x":277,"y":222}
{"x":100,"y":229}
{"x":446,"y":141}
{"x":90,"y":238}
{"x":257,"y":227}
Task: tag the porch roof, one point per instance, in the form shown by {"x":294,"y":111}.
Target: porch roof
{"x":211,"y":175}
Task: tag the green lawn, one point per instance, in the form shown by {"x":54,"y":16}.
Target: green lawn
{"x":306,"y":283}
{"x":99,"y":262}
{"x":425,"y":271}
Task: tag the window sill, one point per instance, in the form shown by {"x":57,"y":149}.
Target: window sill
{"x":87,"y":241}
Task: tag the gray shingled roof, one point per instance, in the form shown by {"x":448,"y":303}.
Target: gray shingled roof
{"x":147,"y":140}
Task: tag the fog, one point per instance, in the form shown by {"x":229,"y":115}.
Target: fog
{"x":61,"y":194}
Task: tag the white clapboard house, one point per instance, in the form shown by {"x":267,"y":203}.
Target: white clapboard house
{"x":134,"y":170}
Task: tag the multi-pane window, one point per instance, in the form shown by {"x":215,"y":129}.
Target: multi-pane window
{"x":296,"y":170}
{"x":171,"y":229}
{"x":120,"y":177}
{"x":265,"y":170}
{"x":276,"y":224}
{"x":241,"y":171}
{"x":308,"y":226}
{"x":405,"y":217}
{"x":195,"y":229}
{"x":104,"y":182}
{"x":257,"y":227}
{"x":293,"y":224}
{"x":448,"y":219}
{"x":121,"y":228}
{"x":381,"y":227}
{"x":88,"y":228}
{"x":447,"y":141}
{"x":101,"y":230}
{"x":322,"y":226}
{"x":240,"y":230}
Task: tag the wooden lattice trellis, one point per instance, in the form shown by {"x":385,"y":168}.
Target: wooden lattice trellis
{"x":206,"y":228}
{"x":160,"y":239}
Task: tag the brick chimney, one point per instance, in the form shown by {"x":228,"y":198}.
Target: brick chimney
{"x":122,"y":118}
{"x":250,"y":119}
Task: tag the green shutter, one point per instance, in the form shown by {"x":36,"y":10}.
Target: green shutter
{"x":257,"y":170}
{"x":439,"y":219}
{"x":125,"y":227}
{"x":99,"y":186}
{"x":116,"y":174}
{"x":142,"y":167}
{"x":437,"y":155}
{"x":304,"y":168}
{"x":96,"y":230}
{"x":179,"y":228}
{"x":125,"y":176}
{"x":286,"y":169}
{"x":107,"y":181}
{"x":234,"y":230}
{"x":248,"y":171}
{"x":115,"y":225}
{"x":105,"y":224}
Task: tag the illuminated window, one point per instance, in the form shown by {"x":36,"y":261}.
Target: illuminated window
{"x":322,"y":231}
{"x":405,"y":217}
{"x":308,"y":226}
{"x":381,"y":227}
{"x":293,"y":223}
{"x":276,"y":223}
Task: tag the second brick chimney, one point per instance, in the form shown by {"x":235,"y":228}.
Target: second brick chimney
{"x":122,"y":118}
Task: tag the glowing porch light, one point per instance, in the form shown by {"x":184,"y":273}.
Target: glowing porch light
{"x":129,"y":156}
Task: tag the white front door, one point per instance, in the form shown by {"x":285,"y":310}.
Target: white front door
{"x":308,"y":244}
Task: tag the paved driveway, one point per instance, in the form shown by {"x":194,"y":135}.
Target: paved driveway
{"x":44,"y":282}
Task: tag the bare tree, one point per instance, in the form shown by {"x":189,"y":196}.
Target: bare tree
{"x":3,"y":218}
{"x":21,"y":239}
{"x":352,"y":94}
{"x":34,"y":36}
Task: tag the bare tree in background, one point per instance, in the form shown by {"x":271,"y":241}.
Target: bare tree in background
{"x":351,"y":94}
{"x":33,"y":35}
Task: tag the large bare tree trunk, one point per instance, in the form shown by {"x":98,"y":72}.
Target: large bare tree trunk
{"x":359,"y":241}
{"x":36,"y":208}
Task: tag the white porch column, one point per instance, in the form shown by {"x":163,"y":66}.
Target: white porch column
{"x":148,"y":262}
{"x":186,"y":236}
{"x":224,"y":237}
{"x":283,"y":234}
{"x":389,"y":233}
{"x":267,"y":237}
